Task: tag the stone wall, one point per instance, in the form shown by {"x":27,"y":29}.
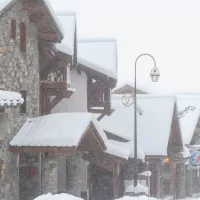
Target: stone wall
{"x":180,"y":181}
{"x":188,"y":181}
{"x":74,"y":175}
{"x":29,"y":175}
{"x":17,"y":71}
{"x":49,"y":174}
{"x":63,"y":174}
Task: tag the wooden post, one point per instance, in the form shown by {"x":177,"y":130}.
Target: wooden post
{"x":116,"y":181}
{"x":158,"y":180}
{"x":173,"y":178}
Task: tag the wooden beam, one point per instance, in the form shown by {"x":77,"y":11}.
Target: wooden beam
{"x":100,"y":161}
{"x":96,"y":110}
{"x":99,"y":85}
{"x":103,"y":115}
{"x":52,"y":104}
{"x":54,"y":85}
{"x":98,"y":137}
{"x":48,"y":36}
{"x":40,"y":149}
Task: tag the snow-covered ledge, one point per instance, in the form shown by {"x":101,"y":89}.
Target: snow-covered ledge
{"x":146,"y":173}
{"x":10,"y":99}
{"x":130,"y":189}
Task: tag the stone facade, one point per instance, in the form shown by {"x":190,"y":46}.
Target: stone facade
{"x":17,"y":71}
{"x":62,"y":174}
{"x":180,"y":182}
{"x":188,"y":181}
{"x":73,"y":174}
{"x":29,"y":175}
{"x":49,"y":174}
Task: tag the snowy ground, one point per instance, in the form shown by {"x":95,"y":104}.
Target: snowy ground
{"x":70,"y":197}
{"x":49,"y":196}
{"x":151,"y":198}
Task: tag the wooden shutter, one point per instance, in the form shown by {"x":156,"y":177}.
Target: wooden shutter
{"x":23,"y":36}
{"x":13,"y":29}
{"x":23,"y":106}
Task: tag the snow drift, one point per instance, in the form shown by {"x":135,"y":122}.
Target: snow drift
{"x":63,"y":196}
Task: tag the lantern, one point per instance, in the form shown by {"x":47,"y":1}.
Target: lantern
{"x":155,"y":74}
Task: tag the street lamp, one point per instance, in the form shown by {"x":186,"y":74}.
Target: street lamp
{"x":154,"y":74}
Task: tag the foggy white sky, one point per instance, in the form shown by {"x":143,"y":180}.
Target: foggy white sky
{"x":167,"y":29}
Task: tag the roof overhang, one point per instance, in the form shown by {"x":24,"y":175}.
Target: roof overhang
{"x":59,"y":133}
{"x":95,"y":74}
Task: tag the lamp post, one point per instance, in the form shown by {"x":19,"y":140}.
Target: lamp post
{"x":154,"y":74}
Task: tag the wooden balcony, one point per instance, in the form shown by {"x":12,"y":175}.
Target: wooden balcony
{"x":55,"y":85}
{"x":99,"y":98}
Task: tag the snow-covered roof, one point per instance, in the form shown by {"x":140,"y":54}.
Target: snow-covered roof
{"x":131,"y":84}
{"x":117,"y":149}
{"x":54,"y":17}
{"x":123,"y":150}
{"x":7,"y":3}
{"x":99,"y":55}
{"x":154,"y":125}
{"x":140,"y":197}
{"x":189,"y":121}
{"x":56,"y":130}
{"x":68,"y":22}
{"x":10,"y":99}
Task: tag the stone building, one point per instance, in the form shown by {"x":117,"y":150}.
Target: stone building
{"x":20,"y":73}
{"x":11,"y":118}
{"x":39,"y":60}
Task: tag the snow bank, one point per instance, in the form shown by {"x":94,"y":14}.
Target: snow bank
{"x":137,"y":198}
{"x":129,"y":187}
{"x":63,"y":196}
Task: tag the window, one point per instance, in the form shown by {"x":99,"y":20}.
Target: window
{"x":13,"y":29}
{"x":23,"y":37}
{"x":23,"y":106}
{"x":2,"y":110}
